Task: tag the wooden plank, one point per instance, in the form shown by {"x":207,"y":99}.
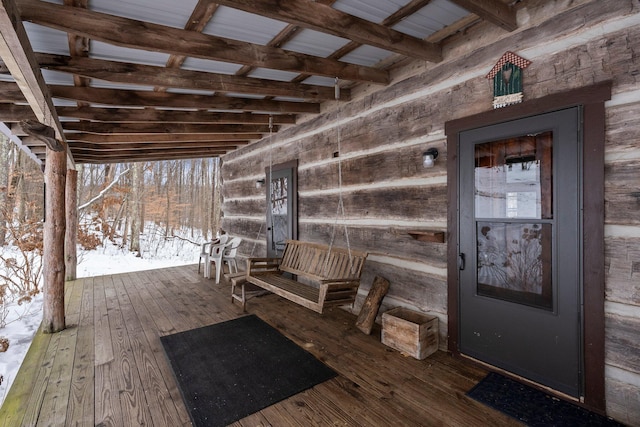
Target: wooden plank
{"x":36,"y":398}
{"x":371,"y":305}
{"x":107,"y":406}
{"x":56,"y":398}
{"x":622,"y":268}
{"x":18,"y":401}
{"x":147,"y":352}
{"x":141,"y":98}
{"x":153,"y":138}
{"x":171,"y":128}
{"x":126,"y":378}
{"x":138,"y":74}
{"x":375,"y":386}
{"x":80,"y":410}
{"x":131,"y":115}
{"x":494,"y":11}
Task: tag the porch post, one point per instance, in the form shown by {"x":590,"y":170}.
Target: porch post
{"x":71,"y":234}
{"x":54,"y":234}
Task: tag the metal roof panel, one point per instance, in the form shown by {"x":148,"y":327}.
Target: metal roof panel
{"x":239,"y":25}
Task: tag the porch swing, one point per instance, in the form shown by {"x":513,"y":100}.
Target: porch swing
{"x":323,"y":275}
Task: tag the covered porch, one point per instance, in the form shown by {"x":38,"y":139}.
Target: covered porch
{"x":108,"y":367}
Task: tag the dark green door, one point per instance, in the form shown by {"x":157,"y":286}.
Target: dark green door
{"x":520,"y":252}
{"x":281,"y":209}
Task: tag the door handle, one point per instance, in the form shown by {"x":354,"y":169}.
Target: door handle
{"x":461,"y":261}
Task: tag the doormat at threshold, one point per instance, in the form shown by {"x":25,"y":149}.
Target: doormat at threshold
{"x":531,"y":406}
{"x":233,"y":369}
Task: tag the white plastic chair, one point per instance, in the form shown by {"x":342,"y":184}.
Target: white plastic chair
{"x":229,"y":254}
{"x":215,"y":257}
{"x":205,"y":248}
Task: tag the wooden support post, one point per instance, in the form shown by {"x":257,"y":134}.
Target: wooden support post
{"x":54,"y":232}
{"x":369,"y":310}
{"x":71,"y":234}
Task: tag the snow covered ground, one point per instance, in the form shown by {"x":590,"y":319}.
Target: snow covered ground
{"x":24,"y":320}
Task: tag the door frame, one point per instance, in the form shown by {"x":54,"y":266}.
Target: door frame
{"x":591,"y":99}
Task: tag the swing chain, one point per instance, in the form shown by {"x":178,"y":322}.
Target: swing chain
{"x":340,"y":208}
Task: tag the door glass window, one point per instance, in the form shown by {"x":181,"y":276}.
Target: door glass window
{"x":513,"y":186}
{"x":279,"y":213}
{"x":514,"y":262}
{"x":513,"y":178}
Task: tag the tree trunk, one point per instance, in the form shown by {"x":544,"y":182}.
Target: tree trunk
{"x":20,"y":193}
{"x":71,"y":235}
{"x":4,"y":186}
{"x":135,"y":208}
{"x":54,"y":232}
{"x":217,"y":198}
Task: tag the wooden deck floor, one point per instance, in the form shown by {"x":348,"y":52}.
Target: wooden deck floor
{"x":108,"y":367}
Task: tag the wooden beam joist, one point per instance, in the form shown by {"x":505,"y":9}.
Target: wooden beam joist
{"x":107,"y":148}
{"x":11,"y":113}
{"x":151,"y":115}
{"x":168,"y":128}
{"x":152,"y":138}
{"x":494,"y":11}
{"x":17,"y":54}
{"x":145,"y":157}
{"x":138,"y":74}
{"x":159,"y":38}
{"x":162,"y":99}
{"x":323,"y":18}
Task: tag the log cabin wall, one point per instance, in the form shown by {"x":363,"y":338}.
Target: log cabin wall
{"x":387,"y":193}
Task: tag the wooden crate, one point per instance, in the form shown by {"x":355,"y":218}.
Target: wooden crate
{"x":410,"y":332}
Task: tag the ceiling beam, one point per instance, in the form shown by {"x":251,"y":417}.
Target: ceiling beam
{"x":152,"y":156}
{"x":149,"y":138}
{"x":138,"y":74}
{"x":325,"y":19}
{"x":153,"y":128}
{"x":152,"y":115}
{"x":494,"y":11}
{"x":169,"y":100}
{"x":17,"y":54}
{"x":159,"y":38}
{"x":11,"y":92}
{"x":222,"y":145}
{"x":11,"y":113}
{"x":200,"y":17}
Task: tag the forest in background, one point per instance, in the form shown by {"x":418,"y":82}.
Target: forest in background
{"x":117,"y":203}
{"x":117,"y":198}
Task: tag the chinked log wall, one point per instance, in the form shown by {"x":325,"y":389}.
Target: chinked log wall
{"x":387,"y":192}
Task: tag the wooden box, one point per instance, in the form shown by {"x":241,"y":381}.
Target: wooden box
{"x":410,"y":332}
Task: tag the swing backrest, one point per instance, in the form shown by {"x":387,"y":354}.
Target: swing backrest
{"x":320,"y":262}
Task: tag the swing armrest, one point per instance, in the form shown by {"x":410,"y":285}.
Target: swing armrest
{"x":263,"y":265}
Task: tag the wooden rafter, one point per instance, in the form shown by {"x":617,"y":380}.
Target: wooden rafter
{"x":153,"y":138}
{"x":170,"y":128}
{"x":201,"y":15}
{"x":17,"y":54}
{"x":137,"y":74}
{"x":319,"y":17}
{"x":151,"y":155}
{"x":11,"y":113}
{"x":221,"y":145}
{"x":172,"y":100}
{"x":78,"y":46}
{"x":494,"y":11}
{"x":152,"y":115}
{"x":144,"y":35}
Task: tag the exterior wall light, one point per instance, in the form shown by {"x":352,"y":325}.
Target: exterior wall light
{"x":429,"y":157}
{"x":260,"y":183}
